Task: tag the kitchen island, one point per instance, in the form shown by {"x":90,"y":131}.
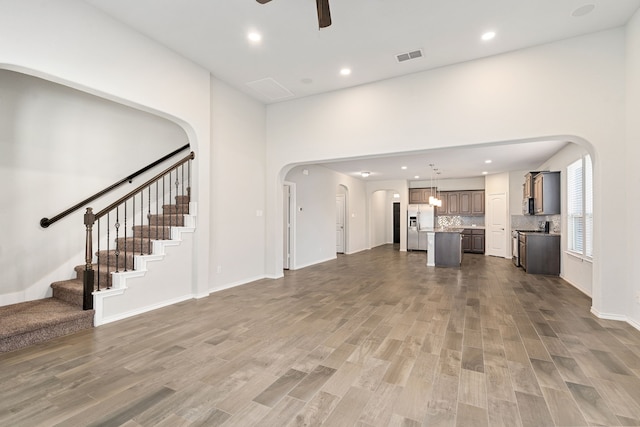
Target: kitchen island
{"x":447,"y":247}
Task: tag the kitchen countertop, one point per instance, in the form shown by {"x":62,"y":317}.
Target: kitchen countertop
{"x":448,"y":229}
{"x":539,"y":233}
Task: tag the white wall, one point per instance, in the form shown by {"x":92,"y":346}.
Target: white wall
{"x":452,"y":184}
{"x":59,"y":146}
{"x":632,"y":196}
{"x":72,"y":43}
{"x":573,"y":87}
{"x":574,"y":270}
{"x":237,"y":189}
{"x":380,"y":218}
{"x":315,"y":222}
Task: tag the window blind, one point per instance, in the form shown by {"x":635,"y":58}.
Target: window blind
{"x":575,"y":223}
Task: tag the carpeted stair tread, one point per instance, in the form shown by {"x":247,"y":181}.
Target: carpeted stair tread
{"x":166,"y":219}
{"x":139,"y":245}
{"x":35,"y":321}
{"x":176,"y":209}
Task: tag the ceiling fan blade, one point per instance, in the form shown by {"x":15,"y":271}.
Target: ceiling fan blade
{"x":324,"y":15}
{"x":263,"y":1}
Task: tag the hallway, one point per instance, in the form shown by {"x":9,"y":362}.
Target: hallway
{"x":370,"y":339}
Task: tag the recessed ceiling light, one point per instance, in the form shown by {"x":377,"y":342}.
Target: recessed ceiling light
{"x":488,"y":35}
{"x":345,"y":71}
{"x":254,"y":37}
{"x":403,"y":168}
{"x":583,"y":10}
{"x":487,"y":161}
{"x":485,"y":173}
{"x":417,"y":176}
{"x":365,"y":174}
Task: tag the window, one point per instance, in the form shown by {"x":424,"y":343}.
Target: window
{"x":580,"y":207}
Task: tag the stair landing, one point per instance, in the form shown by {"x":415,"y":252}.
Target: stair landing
{"x":31,"y":322}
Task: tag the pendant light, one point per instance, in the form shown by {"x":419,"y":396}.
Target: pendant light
{"x":434,"y":201}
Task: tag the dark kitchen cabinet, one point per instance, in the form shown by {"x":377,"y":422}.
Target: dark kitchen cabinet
{"x":477,"y":242}
{"x":466,"y":242}
{"x":463,"y":203}
{"x":527,"y":189}
{"x":477,"y":203}
{"x":473,"y":240}
{"x":546,"y":193}
{"x":420,"y":195}
{"x":540,"y":253}
{"x":453,"y":202}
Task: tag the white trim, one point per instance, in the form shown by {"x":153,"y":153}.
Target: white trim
{"x":584,"y":291}
{"x":235,"y":284}
{"x":316,"y":262}
{"x":618,"y":317}
{"x":119,"y":280}
{"x":579,"y":256}
{"x":142,"y":310}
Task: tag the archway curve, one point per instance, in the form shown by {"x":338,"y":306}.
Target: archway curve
{"x":580,"y":141}
{"x":188,"y":128}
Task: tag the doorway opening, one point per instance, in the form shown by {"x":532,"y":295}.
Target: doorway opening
{"x":396,"y":223}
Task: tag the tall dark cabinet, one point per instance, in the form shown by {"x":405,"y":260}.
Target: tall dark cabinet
{"x":546,"y":193}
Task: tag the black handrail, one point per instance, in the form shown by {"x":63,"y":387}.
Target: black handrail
{"x":46,"y":222}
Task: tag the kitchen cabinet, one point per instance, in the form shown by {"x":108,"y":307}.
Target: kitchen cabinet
{"x":477,"y":241}
{"x":466,"y":241}
{"x":453,"y":202}
{"x":463,"y":203}
{"x":540,"y":253}
{"x":477,"y":203}
{"x":546,"y":193}
{"x":527,"y":188}
{"x":473,"y":240}
{"x":420,"y":195}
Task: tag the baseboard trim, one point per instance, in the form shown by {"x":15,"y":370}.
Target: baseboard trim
{"x":235,"y":284}
{"x":618,"y":317}
{"x":576,"y":286}
{"x":142,"y":310}
{"x":298,"y":267}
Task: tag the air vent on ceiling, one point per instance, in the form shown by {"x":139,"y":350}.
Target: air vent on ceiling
{"x":270,"y":89}
{"x":415,"y":54}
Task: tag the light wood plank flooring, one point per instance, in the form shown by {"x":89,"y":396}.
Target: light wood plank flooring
{"x":370,"y":339}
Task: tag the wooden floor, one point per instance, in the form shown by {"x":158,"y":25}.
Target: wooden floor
{"x":371,"y":339}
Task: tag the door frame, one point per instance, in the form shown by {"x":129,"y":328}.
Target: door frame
{"x":344,"y":216}
{"x":289,"y":233}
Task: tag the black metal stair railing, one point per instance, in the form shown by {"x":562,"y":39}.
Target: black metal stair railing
{"x":162,"y":199}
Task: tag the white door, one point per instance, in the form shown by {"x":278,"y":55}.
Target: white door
{"x":340,"y":219}
{"x":286,"y":213}
{"x":496,"y":229}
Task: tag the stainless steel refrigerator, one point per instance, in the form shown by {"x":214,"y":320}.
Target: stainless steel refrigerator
{"x":420,"y":219}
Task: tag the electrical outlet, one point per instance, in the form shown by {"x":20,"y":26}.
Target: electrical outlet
{"x":219,"y":269}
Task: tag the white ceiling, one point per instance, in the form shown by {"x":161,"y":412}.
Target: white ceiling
{"x":296,"y":59}
{"x":464,"y":162}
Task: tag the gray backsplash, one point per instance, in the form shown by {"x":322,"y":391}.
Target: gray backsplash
{"x":533,"y":222}
{"x":459,"y":221}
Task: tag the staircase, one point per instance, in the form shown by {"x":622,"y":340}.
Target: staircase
{"x":32,"y":322}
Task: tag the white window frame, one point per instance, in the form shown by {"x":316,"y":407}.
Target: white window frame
{"x":579,"y":188}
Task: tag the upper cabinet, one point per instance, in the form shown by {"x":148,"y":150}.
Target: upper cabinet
{"x":463,"y":203}
{"x":527,"y":189}
{"x":419,"y":195}
{"x":546,"y":193}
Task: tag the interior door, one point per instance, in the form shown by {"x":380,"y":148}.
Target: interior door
{"x":496,"y":244}
{"x":340,"y":220}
